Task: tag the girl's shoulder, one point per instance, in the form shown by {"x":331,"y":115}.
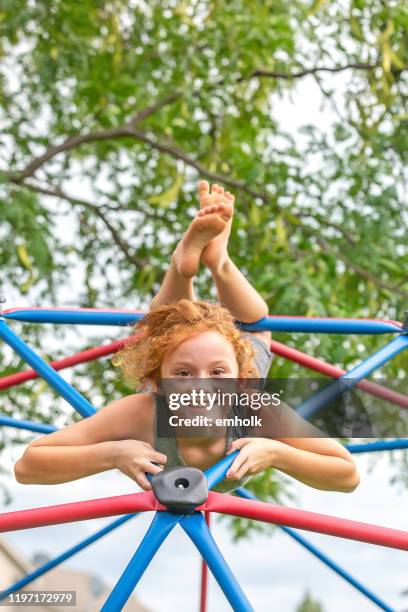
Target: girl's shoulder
{"x":130,"y":417}
{"x":263,"y":356}
{"x":132,"y":414}
{"x":135,"y":404}
{"x":259,"y":338}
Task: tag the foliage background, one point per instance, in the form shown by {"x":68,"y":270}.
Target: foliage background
{"x":112,"y":110}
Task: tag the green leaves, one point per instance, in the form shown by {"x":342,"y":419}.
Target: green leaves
{"x":170,"y":195}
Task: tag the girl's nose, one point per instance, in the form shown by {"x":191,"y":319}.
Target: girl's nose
{"x":208,"y":384}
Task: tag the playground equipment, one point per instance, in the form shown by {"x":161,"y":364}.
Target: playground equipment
{"x":172,"y":499}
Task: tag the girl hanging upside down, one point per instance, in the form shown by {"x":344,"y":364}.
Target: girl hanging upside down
{"x":185,"y":338}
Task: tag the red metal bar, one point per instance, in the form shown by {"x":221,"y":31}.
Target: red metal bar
{"x":78,"y":511}
{"x":276,"y":347}
{"x":204,"y":574}
{"x":330,"y":370}
{"x":310,"y":521}
{"x":67,"y":362}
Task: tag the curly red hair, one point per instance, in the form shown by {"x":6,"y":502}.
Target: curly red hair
{"x":169,"y":325}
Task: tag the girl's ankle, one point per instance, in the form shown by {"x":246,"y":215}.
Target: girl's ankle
{"x":222,"y":266}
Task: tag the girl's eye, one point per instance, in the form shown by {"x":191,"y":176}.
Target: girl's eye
{"x":183,"y":373}
{"x":219,"y":371}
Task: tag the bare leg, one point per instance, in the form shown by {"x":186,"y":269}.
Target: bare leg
{"x":174,"y":287}
{"x":234,"y":291}
{"x":237,"y":294}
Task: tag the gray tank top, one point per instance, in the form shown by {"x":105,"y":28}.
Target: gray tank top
{"x":168,"y":446}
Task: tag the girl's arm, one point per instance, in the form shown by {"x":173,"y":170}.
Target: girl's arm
{"x":317,"y":461}
{"x":47,"y":464}
{"x":324,"y":465}
{"x":321,"y":463}
{"x":117,"y":436}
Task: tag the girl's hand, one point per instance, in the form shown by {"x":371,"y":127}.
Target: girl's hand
{"x":256,"y":454}
{"x":135,"y":458}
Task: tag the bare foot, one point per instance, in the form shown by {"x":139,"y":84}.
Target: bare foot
{"x":209,"y":223}
{"x":215,"y":253}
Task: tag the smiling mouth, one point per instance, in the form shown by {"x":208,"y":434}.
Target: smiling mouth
{"x":202,"y":407}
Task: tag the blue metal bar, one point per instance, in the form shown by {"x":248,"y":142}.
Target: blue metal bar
{"x":218,"y":471}
{"x":324,"y":558}
{"x":197,"y":529}
{"x":67,"y":391}
{"x":324,"y":325}
{"x":158,"y":531}
{"x":161,"y":526}
{"x":40,"y":571}
{"x":23,"y":424}
{"x":379,"y":445}
{"x":320,"y":399}
{"x":73,"y":317}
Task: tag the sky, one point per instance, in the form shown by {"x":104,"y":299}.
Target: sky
{"x":273,"y":570}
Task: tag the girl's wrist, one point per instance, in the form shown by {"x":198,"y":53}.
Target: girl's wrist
{"x":113,"y":452}
{"x":223,"y":266}
{"x":274,"y":452}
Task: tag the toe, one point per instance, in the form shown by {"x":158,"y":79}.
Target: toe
{"x":203,"y":188}
{"x":226,"y":210}
{"x":206,"y":210}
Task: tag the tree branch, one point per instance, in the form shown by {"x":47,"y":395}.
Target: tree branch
{"x":79,"y":139}
{"x":58,"y":193}
{"x":324,"y":245}
{"x":320,"y":219}
{"x":69,"y":143}
{"x":277,"y":74}
{"x":150,"y":110}
{"x":123,"y":131}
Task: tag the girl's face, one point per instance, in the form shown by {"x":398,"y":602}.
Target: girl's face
{"x":206,"y":355}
